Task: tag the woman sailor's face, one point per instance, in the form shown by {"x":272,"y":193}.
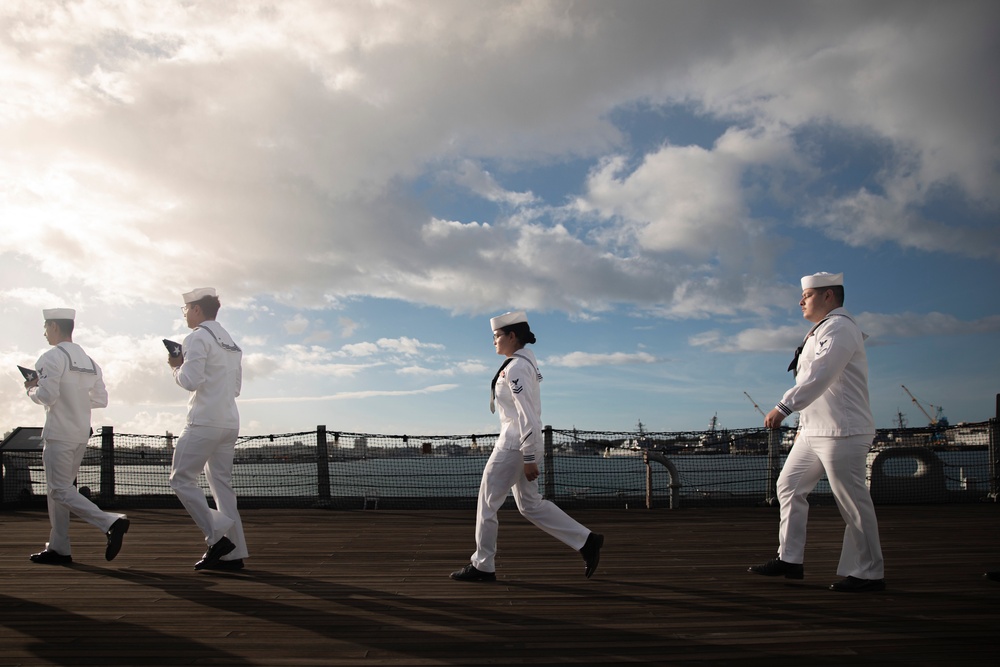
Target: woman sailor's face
{"x":505,"y":342}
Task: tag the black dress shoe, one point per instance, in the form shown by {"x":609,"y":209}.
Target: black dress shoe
{"x":116,"y":533}
{"x":591,"y":552}
{"x":855,"y":585}
{"x":470,"y":573}
{"x":779,"y":568}
{"x":214,"y":553}
{"x":226,"y":565}
{"x":50,"y":557}
{"x":993,"y":575}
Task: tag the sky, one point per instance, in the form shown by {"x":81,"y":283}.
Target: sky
{"x":367,"y":183}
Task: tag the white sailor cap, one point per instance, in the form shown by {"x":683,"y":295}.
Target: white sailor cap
{"x":59,"y":314}
{"x":822,"y":279}
{"x":198,"y":293}
{"x":507,"y":319}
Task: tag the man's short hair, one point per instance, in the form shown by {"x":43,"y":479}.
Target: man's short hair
{"x":65,"y":326}
{"x":209,"y":306}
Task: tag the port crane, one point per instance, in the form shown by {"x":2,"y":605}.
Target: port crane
{"x":755,"y":404}
{"x":938,"y":410}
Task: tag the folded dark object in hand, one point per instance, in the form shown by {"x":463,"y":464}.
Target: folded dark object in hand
{"x":173,"y":348}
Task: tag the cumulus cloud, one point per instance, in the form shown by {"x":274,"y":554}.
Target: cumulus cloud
{"x":471,"y":367}
{"x":673,"y":208}
{"x":360,"y":349}
{"x":347,"y":326}
{"x":475,"y":179}
{"x":581,"y":359}
{"x":298,"y":324}
{"x":31,"y":296}
{"x":881,"y":328}
{"x":865,"y":219}
{"x":290,"y":129}
{"x":750,"y":340}
{"x":448,"y":370}
{"x":346,"y":395}
{"x":314,"y":360}
{"x":406,"y":345}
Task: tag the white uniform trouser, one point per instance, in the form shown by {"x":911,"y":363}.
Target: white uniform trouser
{"x":61,"y":461}
{"x":210,"y":449}
{"x":505,"y":471}
{"x":844,"y":460}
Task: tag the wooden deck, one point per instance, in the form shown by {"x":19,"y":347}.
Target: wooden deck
{"x":372,"y":587}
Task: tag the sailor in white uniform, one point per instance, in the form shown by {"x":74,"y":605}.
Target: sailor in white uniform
{"x":835,"y":434}
{"x":513,"y":465}
{"x":69,"y":384}
{"x":210,"y":367}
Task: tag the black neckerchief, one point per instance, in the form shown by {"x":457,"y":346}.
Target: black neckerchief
{"x":493,"y":384}
{"x":798,"y":351}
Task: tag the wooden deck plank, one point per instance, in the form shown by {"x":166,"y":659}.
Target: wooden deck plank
{"x":371,"y":587}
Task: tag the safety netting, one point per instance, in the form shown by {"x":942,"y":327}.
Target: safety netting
{"x":594,"y":469}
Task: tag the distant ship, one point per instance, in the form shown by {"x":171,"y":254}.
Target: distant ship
{"x":713,"y":441}
{"x":630,"y":447}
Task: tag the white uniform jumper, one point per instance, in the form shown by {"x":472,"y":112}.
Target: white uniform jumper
{"x":213,"y":372}
{"x":70,"y":384}
{"x":836,"y":430}
{"x":520,"y":441}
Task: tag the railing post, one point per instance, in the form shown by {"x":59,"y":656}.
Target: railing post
{"x":107,"y":462}
{"x":649,"y":480}
{"x":994,"y":452}
{"x":549,"y":471}
{"x":322,"y":465}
